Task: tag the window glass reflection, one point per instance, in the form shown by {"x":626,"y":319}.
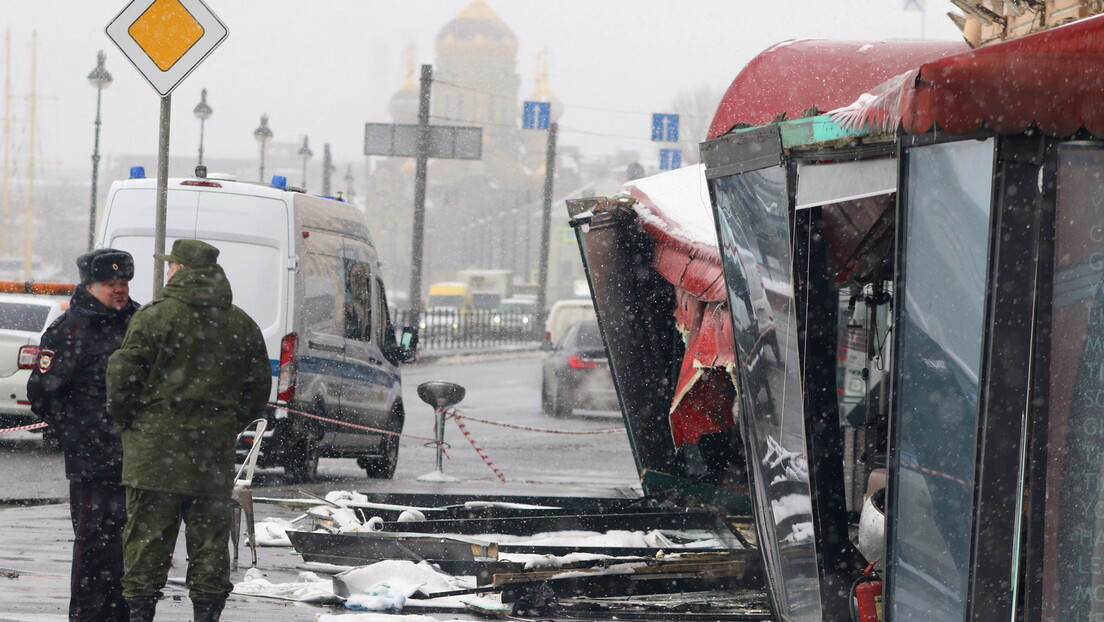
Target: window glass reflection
{"x":752,"y":211}
{"x":1073,"y":558}
{"x":945,"y":263}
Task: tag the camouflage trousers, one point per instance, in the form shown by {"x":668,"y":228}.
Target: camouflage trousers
{"x":153,"y":523}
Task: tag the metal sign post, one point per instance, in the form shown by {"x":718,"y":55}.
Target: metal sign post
{"x":546,"y":226}
{"x":422,"y":141}
{"x":165,"y":40}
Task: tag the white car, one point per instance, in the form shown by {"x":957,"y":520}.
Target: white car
{"x":23,"y":318}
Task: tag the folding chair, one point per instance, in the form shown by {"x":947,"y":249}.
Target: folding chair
{"x":243,"y":490}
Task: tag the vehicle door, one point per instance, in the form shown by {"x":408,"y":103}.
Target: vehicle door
{"x":366,"y":378}
{"x":320,"y":305}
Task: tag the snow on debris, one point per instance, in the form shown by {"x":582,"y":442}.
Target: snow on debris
{"x":678,"y":202}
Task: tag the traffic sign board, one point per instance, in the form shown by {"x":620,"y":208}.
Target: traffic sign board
{"x":669,"y":159}
{"x":536,"y":115}
{"x":454,"y":142}
{"x":166,"y":39}
{"x":665,"y":127}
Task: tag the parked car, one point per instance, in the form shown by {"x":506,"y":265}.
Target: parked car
{"x":564,"y":313}
{"x":576,"y":373}
{"x":514,"y":317}
{"x":23,"y":318}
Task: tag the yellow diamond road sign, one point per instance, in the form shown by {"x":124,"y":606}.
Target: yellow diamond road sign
{"x":166,"y":39}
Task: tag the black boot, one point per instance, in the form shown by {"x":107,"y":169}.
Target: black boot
{"x":207,"y":609}
{"x":141,"y":608}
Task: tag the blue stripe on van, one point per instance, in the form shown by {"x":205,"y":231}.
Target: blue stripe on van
{"x":349,"y":371}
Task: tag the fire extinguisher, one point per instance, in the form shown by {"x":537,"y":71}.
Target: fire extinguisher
{"x":866,"y":606}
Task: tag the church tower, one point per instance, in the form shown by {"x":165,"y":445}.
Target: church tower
{"x":479,"y":213}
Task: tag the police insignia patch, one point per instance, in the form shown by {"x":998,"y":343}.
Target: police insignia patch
{"x":45,"y":360}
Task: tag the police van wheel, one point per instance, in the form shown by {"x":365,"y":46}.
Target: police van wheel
{"x":302,"y":462}
{"x":383,"y":465}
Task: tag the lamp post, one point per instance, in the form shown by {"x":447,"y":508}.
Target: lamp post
{"x":349,"y":183}
{"x":263,"y":135}
{"x":305,"y":153}
{"x":100,"y":79}
{"x":202,"y":112}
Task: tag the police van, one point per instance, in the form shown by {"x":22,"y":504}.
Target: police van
{"x":305,"y":269}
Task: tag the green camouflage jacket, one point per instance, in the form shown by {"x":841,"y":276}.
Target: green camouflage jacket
{"x":191,"y":373}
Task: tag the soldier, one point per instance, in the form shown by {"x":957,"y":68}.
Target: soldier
{"x":67,"y":391}
{"x":191,"y":373}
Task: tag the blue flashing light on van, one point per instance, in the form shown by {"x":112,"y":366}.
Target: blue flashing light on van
{"x":137,"y":172}
{"x":279,"y":181}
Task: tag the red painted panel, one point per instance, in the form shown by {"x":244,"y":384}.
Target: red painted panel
{"x":1052,"y":80}
{"x":793,"y":76}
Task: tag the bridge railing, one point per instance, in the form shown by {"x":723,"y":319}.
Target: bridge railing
{"x":449,"y":329}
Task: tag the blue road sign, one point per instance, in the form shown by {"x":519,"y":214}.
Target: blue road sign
{"x":665,"y":127}
{"x":670,"y":159}
{"x":535,"y":115}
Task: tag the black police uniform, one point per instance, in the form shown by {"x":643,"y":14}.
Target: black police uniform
{"x":67,"y":390}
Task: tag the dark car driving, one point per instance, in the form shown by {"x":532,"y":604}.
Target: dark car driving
{"x":576,"y":373}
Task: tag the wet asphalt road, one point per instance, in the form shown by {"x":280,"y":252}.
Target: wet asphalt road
{"x":36,"y":541}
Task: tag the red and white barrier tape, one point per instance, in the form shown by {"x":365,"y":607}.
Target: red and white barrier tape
{"x":22,"y":428}
{"x":353,"y":425}
{"x":457,"y":415}
{"x":479,"y":450}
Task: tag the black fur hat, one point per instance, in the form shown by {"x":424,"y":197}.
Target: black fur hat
{"x":105,"y":264}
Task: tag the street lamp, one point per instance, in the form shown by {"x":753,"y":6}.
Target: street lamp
{"x":202,"y":112}
{"x":100,"y":79}
{"x":305,"y":153}
{"x":349,"y":183}
{"x":263,"y":135}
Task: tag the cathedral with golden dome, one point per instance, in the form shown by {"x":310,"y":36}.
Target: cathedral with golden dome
{"x":479,"y":213}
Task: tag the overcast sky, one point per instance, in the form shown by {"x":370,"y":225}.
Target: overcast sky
{"x":324,"y":68}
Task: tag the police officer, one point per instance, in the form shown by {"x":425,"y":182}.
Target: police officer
{"x":67,"y":390}
{"x":191,"y":373}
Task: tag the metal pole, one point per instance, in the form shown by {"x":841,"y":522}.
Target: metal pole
{"x":546,"y":226}
{"x":202,"y":122}
{"x":162,"y":196}
{"x":95,"y":173}
{"x":440,"y":436}
{"x":261,"y":179}
{"x":415,"y":294}
{"x":327,"y":170}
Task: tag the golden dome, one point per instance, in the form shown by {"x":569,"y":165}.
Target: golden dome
{"x":404,"y":103}
{"x":477,"y":28}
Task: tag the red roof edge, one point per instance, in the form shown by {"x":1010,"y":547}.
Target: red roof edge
{"x":1052,"y":80}
{"x":793,"y":76}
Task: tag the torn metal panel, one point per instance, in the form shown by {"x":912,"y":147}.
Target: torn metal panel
{"x":645,"y":520}
{"x":707,"y":606}
{"x":635,"y":578}
{"x":651,"y":256}
{"x":634,"y":306}
{"x":377,"y":545}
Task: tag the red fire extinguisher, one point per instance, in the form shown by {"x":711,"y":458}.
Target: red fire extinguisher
{"x":867,"y":589}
